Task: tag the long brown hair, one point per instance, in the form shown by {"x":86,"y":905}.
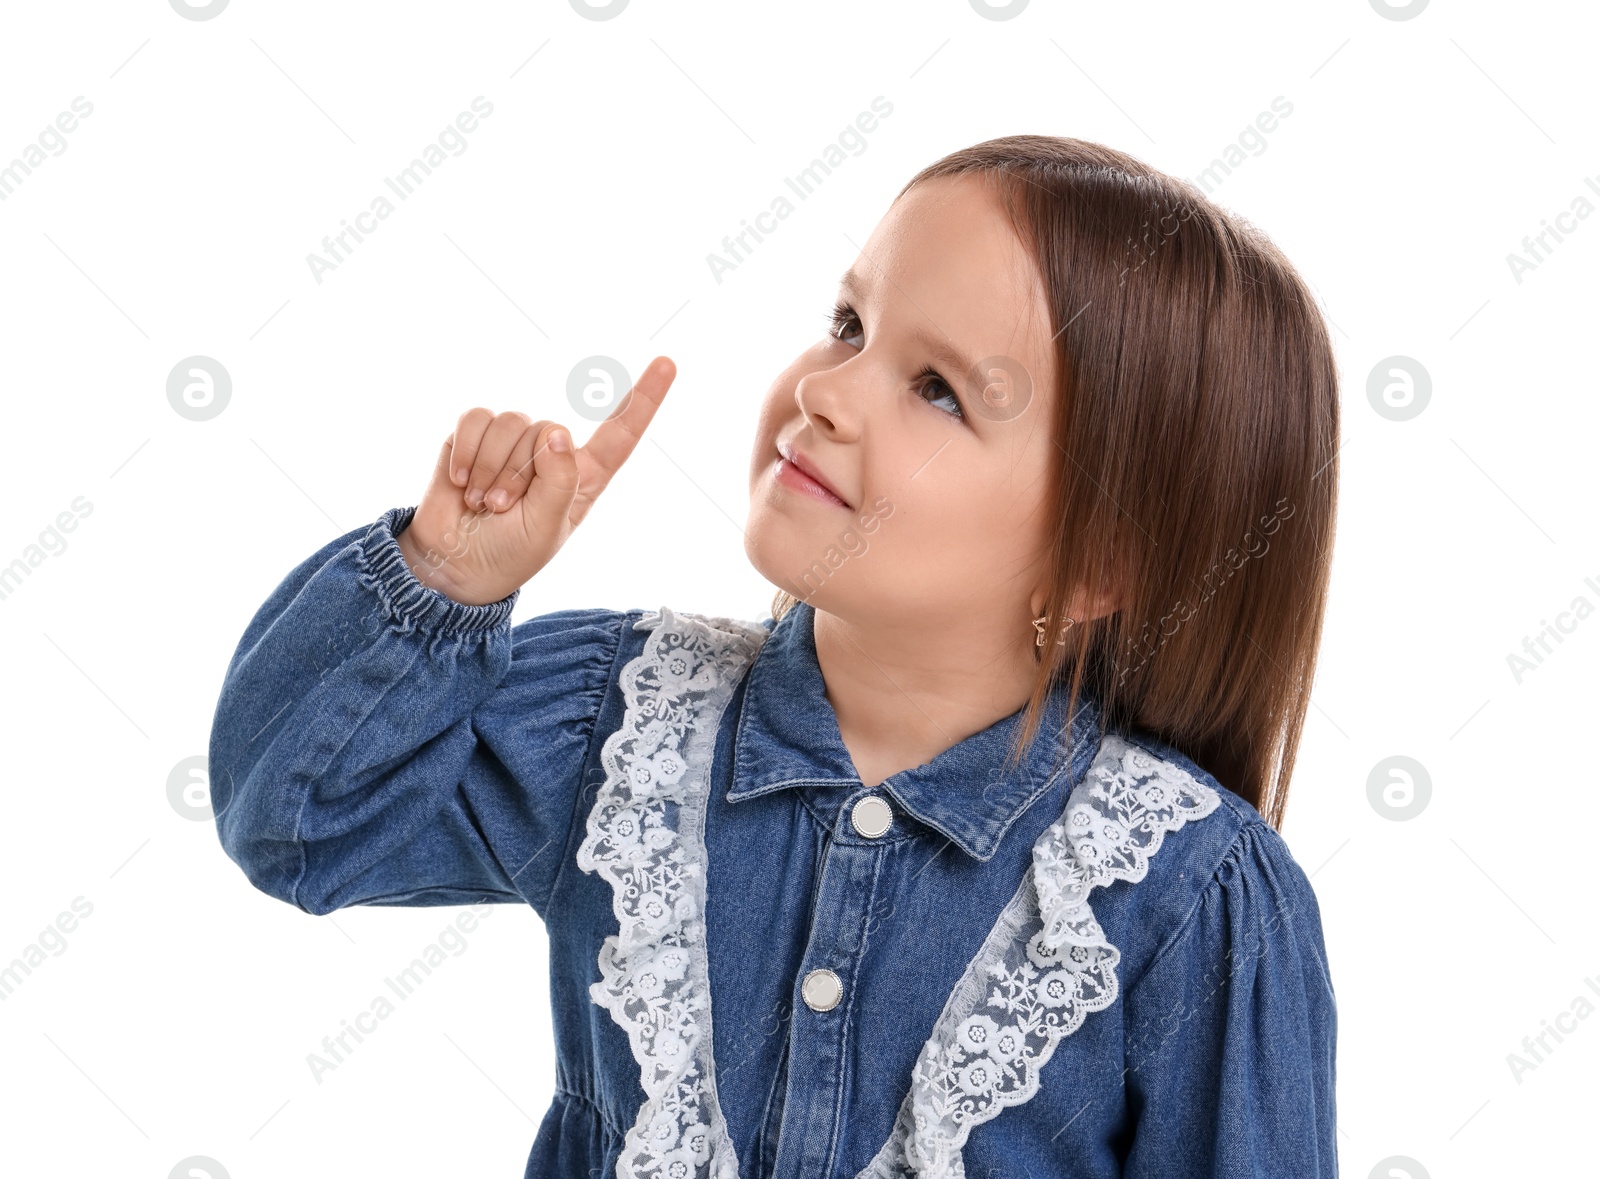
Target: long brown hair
{"x":1197,"y":419}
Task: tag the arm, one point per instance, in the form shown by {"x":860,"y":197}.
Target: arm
{"x":376,"y":742}
{"x":1231,"y":1032}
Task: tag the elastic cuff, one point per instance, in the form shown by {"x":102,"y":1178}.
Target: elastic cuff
{"x":383,"y":569}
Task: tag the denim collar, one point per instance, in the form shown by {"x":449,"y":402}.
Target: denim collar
{"x":788,"y":735}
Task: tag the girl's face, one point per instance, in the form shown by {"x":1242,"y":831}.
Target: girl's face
{"x":927,"y":411}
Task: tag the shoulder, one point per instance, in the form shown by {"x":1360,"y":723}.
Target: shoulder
{"x":1228,"y":1017}
{"x":1228,"y":816}
{"x":1221,"y":867}
{"x":579,"y":636}
{"x":1181,"y":816}
{"x":585,"y":649}
{"x":653,"y":635}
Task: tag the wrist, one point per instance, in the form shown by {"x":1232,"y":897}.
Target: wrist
{"x":428,"y":566}
{"x":389,"y":570}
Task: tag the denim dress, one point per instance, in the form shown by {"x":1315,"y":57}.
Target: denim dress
{"x":1100,"y":963}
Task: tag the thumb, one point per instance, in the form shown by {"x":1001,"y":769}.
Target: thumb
{"x":548,"y":500}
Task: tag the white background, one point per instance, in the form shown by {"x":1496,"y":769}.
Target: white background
{"x":220,"y":152}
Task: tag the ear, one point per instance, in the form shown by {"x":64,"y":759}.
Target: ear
{"x":1085,"y":607}
{"x":1081,"y":606}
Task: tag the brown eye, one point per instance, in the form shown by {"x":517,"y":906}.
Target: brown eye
{"x":944,"y":397}
{"x":843,"y":324}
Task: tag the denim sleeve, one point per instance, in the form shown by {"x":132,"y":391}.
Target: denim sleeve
{"x":378,"y":743}
{"x":1231,"y":1031}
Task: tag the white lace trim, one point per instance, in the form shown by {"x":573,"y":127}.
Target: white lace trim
{"x":646,"y":835}
{"x":1046,"y":963}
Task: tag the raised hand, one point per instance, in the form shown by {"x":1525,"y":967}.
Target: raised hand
{"x":507,"y":491}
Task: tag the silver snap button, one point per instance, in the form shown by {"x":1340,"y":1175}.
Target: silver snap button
{"x":821,"y":990}
{"x":871,"y":816}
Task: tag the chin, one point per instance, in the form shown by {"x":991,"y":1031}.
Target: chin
{"x":766,"y":548}
{"x":778,"y":552}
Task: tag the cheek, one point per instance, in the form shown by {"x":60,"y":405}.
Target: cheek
{"x":961,"y":515}
{"x":769,"y":422}
{"x":921,"y":527}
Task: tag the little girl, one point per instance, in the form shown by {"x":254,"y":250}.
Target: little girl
{"x":965,"y":860}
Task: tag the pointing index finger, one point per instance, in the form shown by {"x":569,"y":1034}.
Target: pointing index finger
{"x":614,"y":439}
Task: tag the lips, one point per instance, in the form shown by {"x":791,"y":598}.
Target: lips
{"x":809,"y":469}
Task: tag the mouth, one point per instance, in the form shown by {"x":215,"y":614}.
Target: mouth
{"x":797,"y":472}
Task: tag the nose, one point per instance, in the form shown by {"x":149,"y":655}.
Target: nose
{"x":830,"y":399}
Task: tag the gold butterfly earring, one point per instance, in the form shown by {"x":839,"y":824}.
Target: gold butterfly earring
{"x":1038,"y":625}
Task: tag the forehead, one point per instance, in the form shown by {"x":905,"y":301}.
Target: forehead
{"x":945,"y":263}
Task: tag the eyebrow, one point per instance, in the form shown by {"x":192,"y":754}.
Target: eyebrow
{"x":936,"y":343}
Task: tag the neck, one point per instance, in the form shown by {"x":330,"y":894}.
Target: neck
{"x":902,"y":699}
